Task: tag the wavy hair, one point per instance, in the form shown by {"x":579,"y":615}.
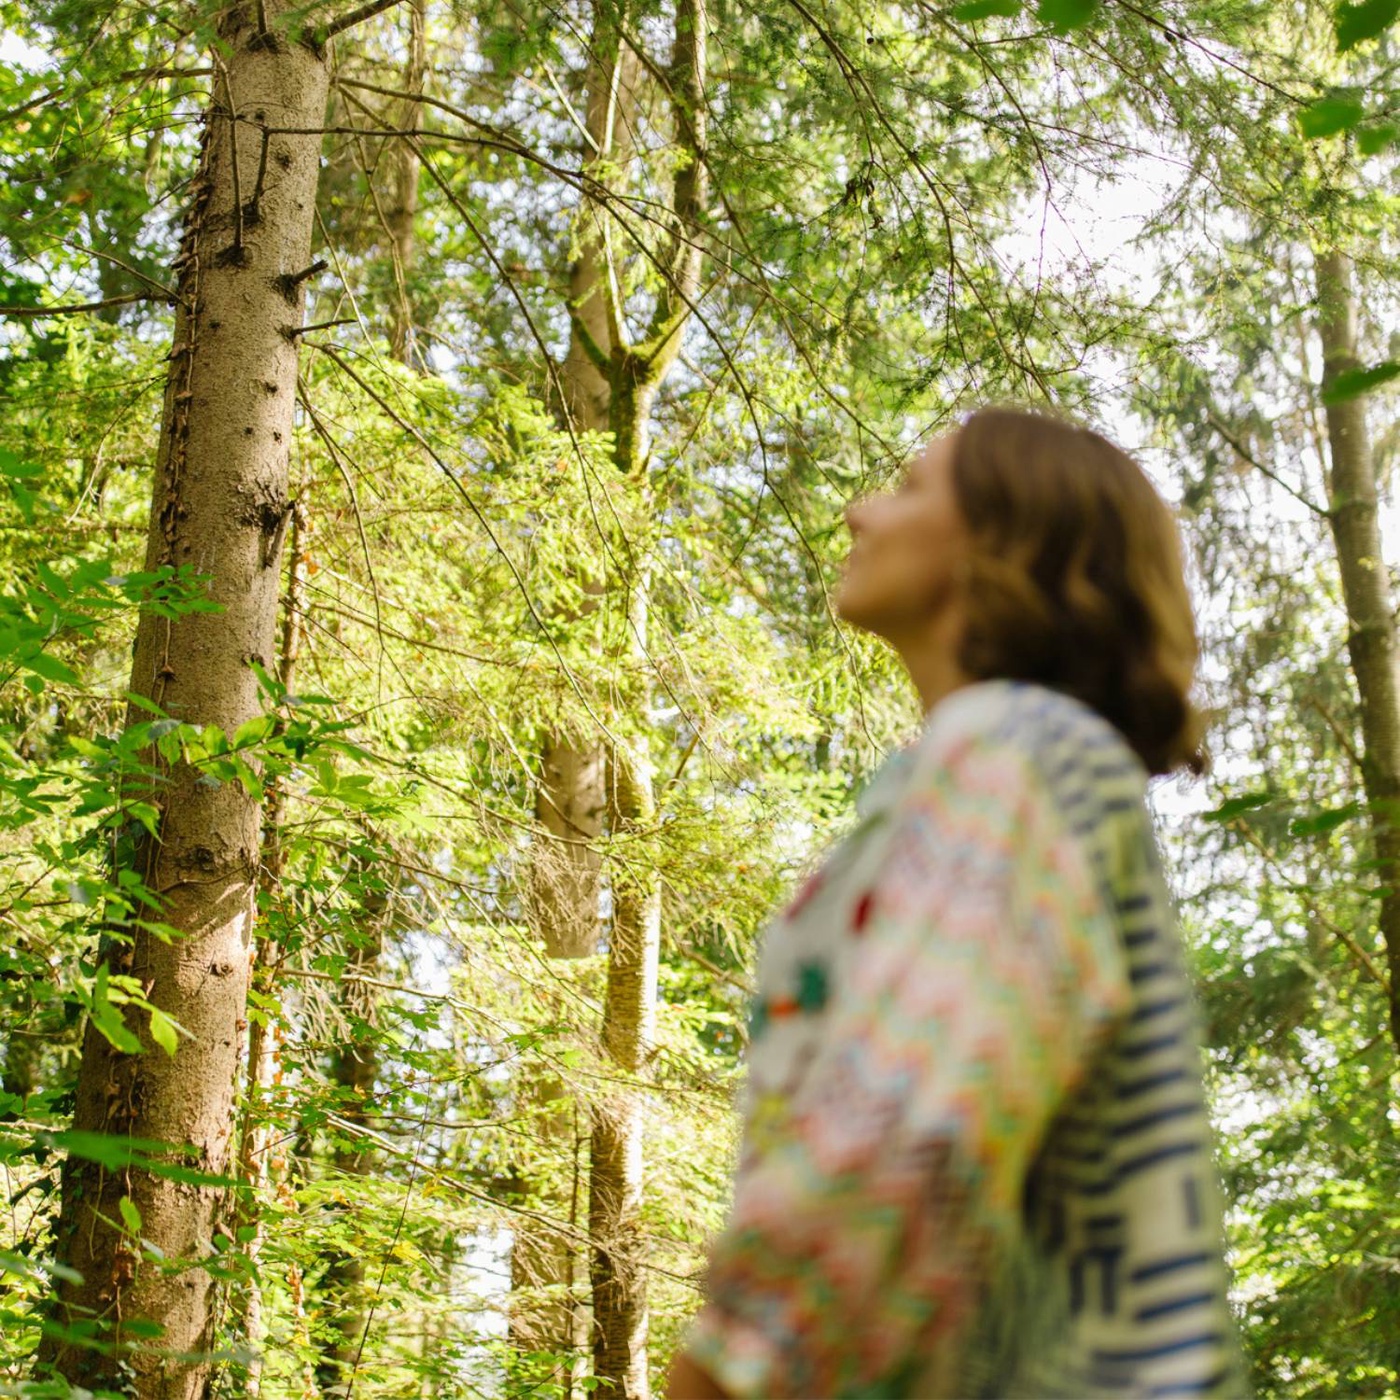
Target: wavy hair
{"x":1076,"y":578}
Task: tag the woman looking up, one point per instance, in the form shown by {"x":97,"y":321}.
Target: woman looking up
{"x":976,"y":1159}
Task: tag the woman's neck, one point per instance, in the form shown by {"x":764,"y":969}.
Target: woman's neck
{"x":931,"y":658}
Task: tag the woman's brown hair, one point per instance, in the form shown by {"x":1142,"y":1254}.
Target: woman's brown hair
{"x":1076,"y":578}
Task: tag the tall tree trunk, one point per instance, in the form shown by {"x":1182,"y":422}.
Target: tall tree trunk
{"x":620,"y":1316}
{"x":219,"y":505}
{"x":1371,"y":642}
{"x":636,"y":372}
{"x":571,"y":796}
{"x":571,"y":799}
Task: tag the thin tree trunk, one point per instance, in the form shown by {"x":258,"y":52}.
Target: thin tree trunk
{"x":1371,"y":642}
{"x":220,"y":505}
{"x":571,"y":796}
{"x":620,"y":1315}
{"x":23,"y":1048}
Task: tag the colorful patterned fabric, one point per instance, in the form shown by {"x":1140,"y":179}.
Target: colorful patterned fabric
{"x":976,"y":1158}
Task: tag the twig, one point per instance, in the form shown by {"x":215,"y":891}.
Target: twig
{"x":1338,"y":733}
{"x":34,"y":313}
{"x":332,"y":354}
{"x":254,"y":211}
{"x":293,"y":331}
{"x":1245,"y":455}
{"x":422,"y":643}
{"x":1333,"y":928}
{"x":331,"y":447}
{"x":348,"y":21}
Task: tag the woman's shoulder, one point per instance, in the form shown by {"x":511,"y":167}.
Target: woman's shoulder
{"x":1027,"y":748}
{"x":1052,"y":733}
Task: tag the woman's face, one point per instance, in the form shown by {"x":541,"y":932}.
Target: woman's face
{"x":909,"y":551}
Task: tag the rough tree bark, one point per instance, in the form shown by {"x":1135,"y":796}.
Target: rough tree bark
{"x":263,"y":1037}
{"x":219,"y":505}
{"x":1371,"y":640}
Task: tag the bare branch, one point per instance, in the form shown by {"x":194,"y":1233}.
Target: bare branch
{"x":1246,"y":456}
{"x":354,"y":17}
{"x":34,"y":313}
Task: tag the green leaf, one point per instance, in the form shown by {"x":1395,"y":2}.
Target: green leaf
{"x":108,"y":1021}
{"x":254,"y":731}
{"x":141,"y":1326}
{"x":25,"y":499}
{"x":142,"y":703}
{"x":1352,"y":383}
{"x":140,"y":1154}
{"x":1320,"y":823}
{"x":163,"y":1031}
{"x":52,"y":580}
{"x":1238,"y":806}
{"x":1372,"y":140}
{"x":1064,"y":15}
{"x":131,"y":1217}
{"x":50,"y":668}
{"x":146,"y":814}
{"x":17,"y":467}
{"x":1357,"y":23}
{"x":984,"y":9}
{"x":252,"y":784}
{"x":1330,"y":115}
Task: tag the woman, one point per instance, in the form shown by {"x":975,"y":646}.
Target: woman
{"x":976,"y":1158}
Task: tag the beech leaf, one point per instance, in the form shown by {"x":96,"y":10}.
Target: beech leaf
{"x":1330,"y":115}
{"x":1357,"y":23}
{"x":1064,"y":15}
{"x":1352,"y":383}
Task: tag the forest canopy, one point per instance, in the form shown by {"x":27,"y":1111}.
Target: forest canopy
{"x":426,"y":430}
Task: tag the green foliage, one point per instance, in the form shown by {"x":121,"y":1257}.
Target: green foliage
{"x":1356,"y":23}
{"x":1330,"y":115}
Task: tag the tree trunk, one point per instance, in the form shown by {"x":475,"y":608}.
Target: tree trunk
{"x":1366,"y":590}
{"x":219,"y":506}
{"x":566,"y":872}
{"x":620,"y":1356}
{"x":571,"y":797}
{"x":629,"y":1027}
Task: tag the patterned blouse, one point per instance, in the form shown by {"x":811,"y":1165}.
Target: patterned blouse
{"x":976,"y":1158}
